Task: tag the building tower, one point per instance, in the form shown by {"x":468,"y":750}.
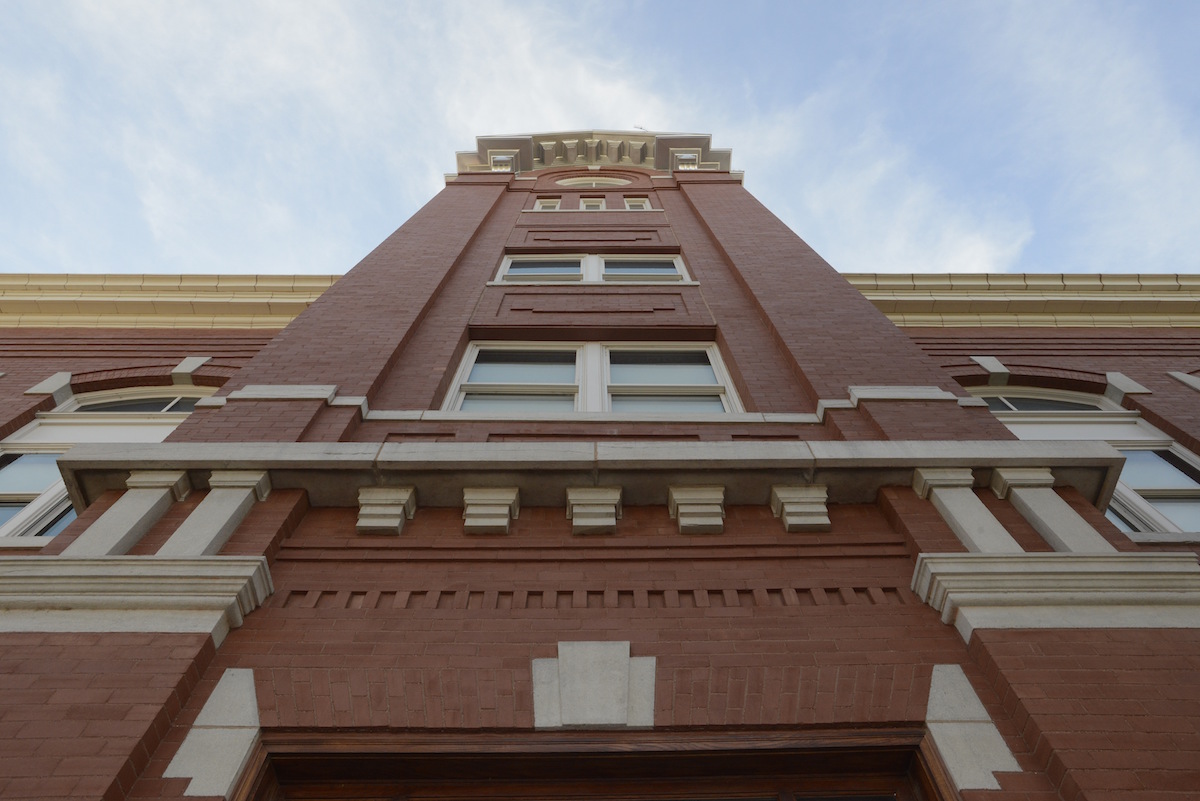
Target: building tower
{"x":593,"y":480}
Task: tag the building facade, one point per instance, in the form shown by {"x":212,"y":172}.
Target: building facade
{"x":593,"y":480}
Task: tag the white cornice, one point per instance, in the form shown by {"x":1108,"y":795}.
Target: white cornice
{"x":1013,"y":299}
{"x":1060,"y":590}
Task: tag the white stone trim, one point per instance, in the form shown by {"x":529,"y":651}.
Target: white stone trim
{"x":1186,"y":379}
{"x":801,"y":507}
{"x":384,"y":510}
{"x":285,"y":392}
{"x":149,"y":495}
{"x":232,"y":494}
{"x":219,"y":743}
{"x":131,"y":593}
{"x":699,"y":510}
{"x":593,"y":510}
{"x":182,"y":373}
{"x":593,"y":685}
{"x":1031,"y":492}
{"x":1120,"y":385}
{"x":899,"y":393}
{"x":488,"y":510}
{"x":998,"y":374}
{"x":57,"y":385}
{"x":969,"y":742}
{"x":1061,"y":590}
{"x":951,"y":490}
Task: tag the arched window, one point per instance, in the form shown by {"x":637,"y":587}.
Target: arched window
{"x":33,"y":498}
{"x":1157,"y":497}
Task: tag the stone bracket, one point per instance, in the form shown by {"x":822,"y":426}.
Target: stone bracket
{"x":593,"y":510}
{"x":383,"y":510}
{"x":802,"y":508}
{"x":488,"y":510}
{"x":699,"y":510}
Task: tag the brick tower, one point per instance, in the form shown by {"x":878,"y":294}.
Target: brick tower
{"x":593,"y":480}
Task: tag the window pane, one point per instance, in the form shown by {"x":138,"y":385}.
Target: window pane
{"x":1118,"y":521}
{"x":1183,"y":513}
{"x":616,"y":268}
{"x":184,"y":405}
{"x":667,"y":403}
{"x":998,"y":404}
{"x":660,"y":367}
{"x":524,"y":367}
{"x":1152,"y":470}
{"x":544,"y":268}
{"x":9,"y":510}
{"x":477,"y":402}
{"x":143,"y":405}
{"x":1047,"y":405}
{"x":55,"y":528}
{"x":30,"y":472}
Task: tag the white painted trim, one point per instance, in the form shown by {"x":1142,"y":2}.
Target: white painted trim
{"x":968,"y":741}
{"x":285,"y":392}
{"x":219,"y":743}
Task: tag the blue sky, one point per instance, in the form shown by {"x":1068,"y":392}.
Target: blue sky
{"x":279,"y":137}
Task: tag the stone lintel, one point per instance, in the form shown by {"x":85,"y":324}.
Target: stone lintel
{"x":182,"y":372}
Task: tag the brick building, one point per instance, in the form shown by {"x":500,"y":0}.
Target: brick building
{"x":594,"y":481}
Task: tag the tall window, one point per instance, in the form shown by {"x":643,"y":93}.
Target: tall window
{"x":622,"y":378}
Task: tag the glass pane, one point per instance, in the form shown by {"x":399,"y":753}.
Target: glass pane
{"x":1152,"y":470}
{"x":617,"y":268}
{"x":30,"y":472}
{"x":667,"y":403}
{"x":143,"y":405}
{"x":1184,"y":513}
{"x":9,"y":510}
{"x":998,"y":405}
{"x":184,"y":405}
{"x":1118,"y":521}
{"x":476,"y":402}
{"x":524,"y":367}
{"x":660,"y":367}
{"x":544,"y":268}
{"x":1047,"y":405}
{"x":55,"y":528}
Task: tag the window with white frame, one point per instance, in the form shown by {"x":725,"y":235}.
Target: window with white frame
{"x":531,"y":379}
{"x":591,"y":204}
{"x":1158,"y":492}
{"x":593,"y":268}
{"x":637,"y":204}
{"x":33,"y":498}
{"x":547,"y":204}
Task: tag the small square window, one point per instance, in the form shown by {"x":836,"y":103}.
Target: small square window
{"x":637,"y":204}
{"x":547,"y":204}
{"x":591,"y":204}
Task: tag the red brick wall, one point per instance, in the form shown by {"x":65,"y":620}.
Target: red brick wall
{"x":81,"y":714}
{"x":1109,"y":714}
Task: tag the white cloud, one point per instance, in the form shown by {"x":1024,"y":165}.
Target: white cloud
{"x":829,"y":168}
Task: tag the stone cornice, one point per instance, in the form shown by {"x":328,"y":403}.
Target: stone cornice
{"x":157,"y":301}
{"x":652,"y":151}
{"x":1056,"y":300}
{"x":333,"y":473}
{"x":131,"y":593}
{"x":1060,"y":590}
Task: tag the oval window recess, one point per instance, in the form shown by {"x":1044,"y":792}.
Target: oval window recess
{"x":593,"y":181}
